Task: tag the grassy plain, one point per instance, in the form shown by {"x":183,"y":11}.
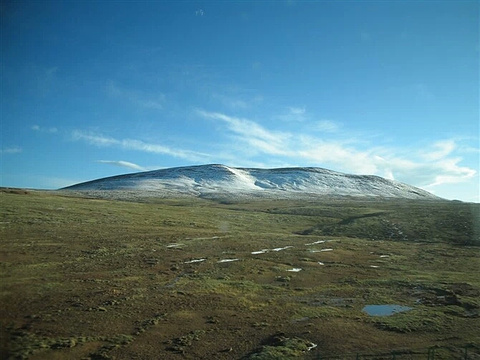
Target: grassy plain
{"x":87,"y":278}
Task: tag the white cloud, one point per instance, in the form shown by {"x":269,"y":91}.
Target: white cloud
{"x":254,"y":134}
{"x":337,"y":155}
{"x":293,"y":114}
{"x":449,"y":172}
{"x":122,"y":163}
{"x":441,"y":149}
{"x":51,"y":130}
{"x":138,"y":145}
{"x":98,"y":140}
{"x":424,"y":168}
{"x":297,"y":110}
{"x":231,"y":102}
{"x":11,"y":150}
{"x":326,"y":126}
{"x":237,"y":101}
{"x":250,"y":143}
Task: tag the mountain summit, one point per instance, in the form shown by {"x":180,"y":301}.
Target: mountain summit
{"x":215,"y":180}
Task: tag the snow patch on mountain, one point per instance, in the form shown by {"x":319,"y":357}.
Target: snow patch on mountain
{"x":220,"y":180}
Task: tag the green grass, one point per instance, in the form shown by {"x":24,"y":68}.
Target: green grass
{"x":97,"y":278}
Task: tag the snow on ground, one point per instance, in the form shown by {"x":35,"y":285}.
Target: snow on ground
{"x":259,"y":252}
{"x":316,"y":242}
{"x":264,"y":251}
{"x":227,"y":260}
{"x":221,"y":180}
{"x":282,"y":248}
{"x":195,"y":261}
{"x":171,"y":246}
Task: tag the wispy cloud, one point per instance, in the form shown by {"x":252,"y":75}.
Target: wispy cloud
{"x":439,"y":150}
{"x":422,"y":167}
{"x":122,"y":163}
{"x":234,"y":101}
{"x":11,"y":150}
{"x":93,"y":139}
{"x":138,"y":145}
{"x":293,"y":114}
{"x":297,"y":110}
{"x":141,"y":99}
{"x":326,"y":126}
{"x":256,"y":136}
{"x":449,"y":171}
{"x":250,"y":143}
{"x":51,"y":130}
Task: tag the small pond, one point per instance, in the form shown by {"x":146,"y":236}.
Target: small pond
{"x":384,"y":310}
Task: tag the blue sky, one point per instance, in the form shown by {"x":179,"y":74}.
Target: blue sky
{"x":93,"y":89}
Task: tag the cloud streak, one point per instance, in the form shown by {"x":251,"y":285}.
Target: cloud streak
{"x":256,"y":136}
{"x":294,"y":114}
{"x":51,"y":130}
{"x":122,"y":163}
{"x":138,"y":145}
{"x":245,"y":142}
{"x":428,"y":168}
{"x":11,"y":150}
{"x":328,"y":126}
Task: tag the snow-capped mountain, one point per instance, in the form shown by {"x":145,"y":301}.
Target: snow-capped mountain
{"x":224,"y":181}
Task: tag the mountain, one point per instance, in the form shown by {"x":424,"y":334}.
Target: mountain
{"x":220,"y":181}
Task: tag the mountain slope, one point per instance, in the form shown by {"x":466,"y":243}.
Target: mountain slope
{"x":220,"y":180}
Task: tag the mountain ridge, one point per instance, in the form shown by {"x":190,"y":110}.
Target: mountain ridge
{"x":215,"y":180}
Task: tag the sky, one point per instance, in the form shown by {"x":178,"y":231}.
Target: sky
{"x":95,"y":89}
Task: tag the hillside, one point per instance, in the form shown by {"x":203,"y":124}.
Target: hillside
{"x":224,"y":181}
{"x":191,"y":278}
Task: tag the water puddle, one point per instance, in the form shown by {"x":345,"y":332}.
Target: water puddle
{"x":385,"y":310}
